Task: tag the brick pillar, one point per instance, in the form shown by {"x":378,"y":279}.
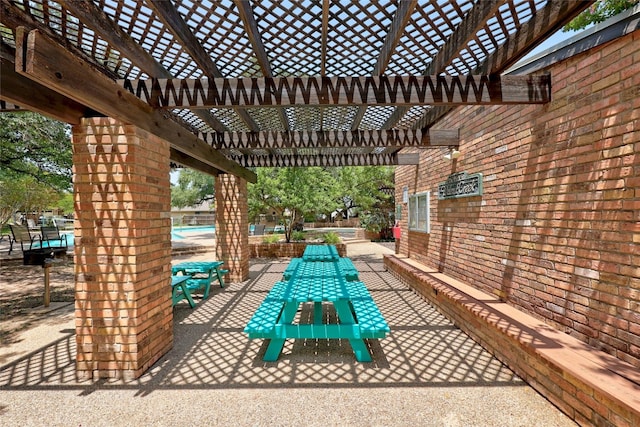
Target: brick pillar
{"x":124,"y":318}
{"x":232,"y":226}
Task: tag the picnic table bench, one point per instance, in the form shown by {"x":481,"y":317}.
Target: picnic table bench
{"x":180,"y":291}
{"x":318,"y":283}
{"x":201,"y":274}
{"x":320,"y":253}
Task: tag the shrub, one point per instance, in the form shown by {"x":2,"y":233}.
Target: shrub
{"x":331,"y":238}
{"x":271,"y":238}
{"x":297,"y":236}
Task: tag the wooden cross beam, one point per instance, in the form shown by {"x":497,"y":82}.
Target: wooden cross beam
{"x":332,"y":139}
{"x":43,"y":60}
{"x":328,"y":160}
{"x":342,"y":91}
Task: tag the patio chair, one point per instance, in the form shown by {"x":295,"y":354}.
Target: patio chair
{"x":22,"y":234}
{"x":51,"y":238}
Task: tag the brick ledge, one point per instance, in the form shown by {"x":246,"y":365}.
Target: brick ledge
{"x":590,"y":386}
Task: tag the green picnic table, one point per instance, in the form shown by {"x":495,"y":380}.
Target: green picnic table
{"x":180,"y":291}
{"x":318,"y":283}
{"x":201,"y":273}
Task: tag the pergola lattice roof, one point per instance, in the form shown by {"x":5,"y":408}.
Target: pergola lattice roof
{"x":184,"y":39}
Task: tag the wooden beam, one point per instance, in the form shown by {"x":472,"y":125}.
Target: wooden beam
{"x":545,"y":22}
{"x":96,"y":19}
{"x":324,"y":37}
{"x":555,"y":15}
{"x":9,"y":107}
{"x":326,"y":160}
{"x":342,"y":91}
{"x":397,"y":138}
{"x":188,"y":161}
{"x":400,"y":19}
{"x":253,"y":33}
{"x":172,"y":20}
{"x":13,"y":17}
{"x":473,"y":21}
{"x":32,"y":96}
{"x":49,"y":63}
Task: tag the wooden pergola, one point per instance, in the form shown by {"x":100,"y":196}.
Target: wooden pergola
{"x":237,"y":84}
{"x":225,"y":86}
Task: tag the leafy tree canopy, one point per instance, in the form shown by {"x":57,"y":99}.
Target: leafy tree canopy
{"x":292,"y":193}
{"x":36,"y":146}
{"x":24,"y":194}
{"x":362,"y":187}
{"x":599,"y":12}
{"x":193,"y":188}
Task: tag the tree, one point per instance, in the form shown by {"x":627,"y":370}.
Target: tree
{"x":35,"y":155}
{"x":23,"y":194}
{"x":193,"y":188}
{"x":292,"y":193}
{"x":599,"y":12}
{"x":363,"y":187}
{"x":36,"y":146}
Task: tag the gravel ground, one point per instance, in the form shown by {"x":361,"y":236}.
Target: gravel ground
{"x":425,"y":373}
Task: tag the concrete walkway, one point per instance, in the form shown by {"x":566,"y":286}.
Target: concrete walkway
{"x":425,"y":373}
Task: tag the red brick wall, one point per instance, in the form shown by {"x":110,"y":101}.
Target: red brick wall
{"x":122,"y":249}
{"x":557,"y":230}
{"x":232,"y":226}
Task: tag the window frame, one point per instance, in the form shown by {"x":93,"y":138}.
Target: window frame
{"x":418,"y":222}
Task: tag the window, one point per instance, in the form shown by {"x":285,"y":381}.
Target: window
{"x":419,"y":212}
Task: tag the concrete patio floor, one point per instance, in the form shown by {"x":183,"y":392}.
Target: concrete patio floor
{"x":426,"y":372}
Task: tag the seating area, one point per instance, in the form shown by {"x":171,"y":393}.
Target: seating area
{"x":37,"y":246}
{"x":320,"y":278}
{"x":557,"y":365}
{"x":189,"y":277}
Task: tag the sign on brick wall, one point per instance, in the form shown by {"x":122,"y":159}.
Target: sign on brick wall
{"x":460,"y":184}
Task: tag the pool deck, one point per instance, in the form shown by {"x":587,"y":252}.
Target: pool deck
{"x":427,"y":372}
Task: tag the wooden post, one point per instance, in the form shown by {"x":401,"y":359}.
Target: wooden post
{"x":47,"y":289}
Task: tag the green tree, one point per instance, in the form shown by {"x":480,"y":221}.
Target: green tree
{"x":35,"y":160}
{"x":24,"y":194}
{"x":599,"y":12}
{"x":292,"y":193}
{"x":363,"y":187}
{"x":193,"y":188}
{"x":36,"y":146}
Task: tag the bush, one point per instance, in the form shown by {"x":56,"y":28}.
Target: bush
{"x":297,"y":236}
{"x":331,"y":238}
{"x":271,"y":238}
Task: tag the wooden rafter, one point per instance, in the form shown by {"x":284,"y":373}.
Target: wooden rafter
{"x":466,"y":31}
{"x":332,"y":139}
{"x":342,"y":91}
{"x":324,"y":36}
{"x":251,"y":28}
{"x":329,"y":160}
{"x":400,"y":19}
{"x":169,"y":15}
{"x":20,"y":90}
{"x":95,"y":18}
{"x":547,"y":21}
{"x":43,"y":60}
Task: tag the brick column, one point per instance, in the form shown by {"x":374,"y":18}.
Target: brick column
{"x":232,"y":226}
{"x":124,"y":318}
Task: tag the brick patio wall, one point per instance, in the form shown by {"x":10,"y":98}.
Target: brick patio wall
{"x":232,"y":226}
{"x":122,"y":249}
{"x":557,"y":231}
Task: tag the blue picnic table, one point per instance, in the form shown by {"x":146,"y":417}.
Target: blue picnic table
{"x":180,"y":291}
{"x":318,"y":283}
{"x":201,"y":274}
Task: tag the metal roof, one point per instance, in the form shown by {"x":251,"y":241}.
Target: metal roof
{"x":184,"y":39}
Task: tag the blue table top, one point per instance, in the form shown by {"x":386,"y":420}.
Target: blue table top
{"x":196,"y":266}
{"x":176,"y":280}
